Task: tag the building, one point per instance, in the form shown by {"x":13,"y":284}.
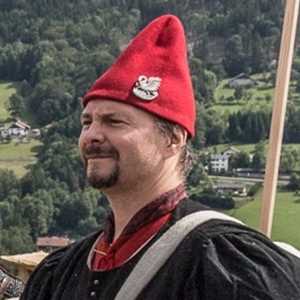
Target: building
{"x":49,"y":244}
{"x":35,"y":133}
{"x":19,"y":129}
{"x":22,"y":265}
{"x":4,"y":133}
{"x":231,"y":151}
{"x":219,"y":163}
{"x":242,"y":81}
{"x":234,"y":189}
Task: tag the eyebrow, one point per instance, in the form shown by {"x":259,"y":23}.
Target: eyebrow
{"x":86,"y":115}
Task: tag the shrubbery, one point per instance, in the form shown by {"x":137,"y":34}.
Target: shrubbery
{"x":216,"y":201}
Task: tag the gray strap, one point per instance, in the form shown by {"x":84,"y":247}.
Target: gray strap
{"x":289,"y":248}
{"x":155,"y":257}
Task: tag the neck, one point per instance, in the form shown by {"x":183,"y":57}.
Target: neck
{"x":126,"y":202}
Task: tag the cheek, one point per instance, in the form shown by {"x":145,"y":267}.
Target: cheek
{"x":81,"y":145}
{"x":140,"y":152}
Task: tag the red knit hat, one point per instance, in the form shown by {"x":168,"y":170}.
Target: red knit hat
{"x":152,"y":74}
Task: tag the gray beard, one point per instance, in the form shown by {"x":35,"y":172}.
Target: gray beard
{"x":104,"y":182}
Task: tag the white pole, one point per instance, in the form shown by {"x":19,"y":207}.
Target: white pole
{"x":278,"y":115}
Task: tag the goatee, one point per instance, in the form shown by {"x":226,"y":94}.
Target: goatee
{"x":100,"y":182}
{"x":95,"y":179}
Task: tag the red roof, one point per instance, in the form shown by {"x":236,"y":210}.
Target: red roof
{"x":22,"y":125}
{"x":53,"y":241}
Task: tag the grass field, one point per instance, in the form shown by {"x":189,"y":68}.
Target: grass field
{"x":246,"y":147}
{"x":16,"y":157}
{"x":6,"y":90}
{"x":222,"y":147}
{"x":258,"y":98}
{"x":286,"y":218}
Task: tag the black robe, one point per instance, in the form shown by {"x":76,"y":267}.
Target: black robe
{"x":219,"y":260}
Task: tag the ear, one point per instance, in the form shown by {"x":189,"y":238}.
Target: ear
{"x":176,"y":142}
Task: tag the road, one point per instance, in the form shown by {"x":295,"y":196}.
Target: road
{"x":247,"y":180}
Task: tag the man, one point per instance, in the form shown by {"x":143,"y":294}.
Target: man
{"x":10,"y":286}
{"x":136,"y":122}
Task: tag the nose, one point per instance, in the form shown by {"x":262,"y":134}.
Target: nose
{"x":92,"y":134}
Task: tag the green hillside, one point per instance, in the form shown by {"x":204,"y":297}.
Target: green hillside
{"x":253,"y":98}
{"x":6,"y":90}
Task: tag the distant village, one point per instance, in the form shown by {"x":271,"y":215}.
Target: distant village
{"x":19,"y":131}
{"x":219,"y":164}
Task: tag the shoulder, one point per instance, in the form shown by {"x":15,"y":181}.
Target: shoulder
{"x":247,"y":264}
{"x":50,"y":269}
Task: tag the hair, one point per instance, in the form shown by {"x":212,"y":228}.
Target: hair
{"x":187,"y":157}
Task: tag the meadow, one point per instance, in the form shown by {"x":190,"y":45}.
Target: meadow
{"x":286,"y":226}
{"x":16,"y":156}
{"x":261,"y":96}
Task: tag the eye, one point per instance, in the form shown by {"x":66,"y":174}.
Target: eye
{"x":85,"y":124}
{"x":115,"y":122}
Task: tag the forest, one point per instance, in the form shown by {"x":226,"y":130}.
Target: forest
{"x":54,"y":50}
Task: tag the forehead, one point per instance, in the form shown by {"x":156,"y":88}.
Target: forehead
{"x":104,"y":107}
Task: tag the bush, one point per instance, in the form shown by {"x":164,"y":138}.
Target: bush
{"x":294,"y":183}
{"x":216,"y":201}
{"x":254,"y":189}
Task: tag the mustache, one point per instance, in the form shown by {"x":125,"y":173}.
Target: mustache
{"x":94,"y":151}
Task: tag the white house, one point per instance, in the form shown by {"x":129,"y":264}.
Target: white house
{"x":4,"y":133}
{"x":18,"y":128}
{"x":219,"y":163}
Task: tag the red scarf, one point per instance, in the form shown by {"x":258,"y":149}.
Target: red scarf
{"x":141,"y":228}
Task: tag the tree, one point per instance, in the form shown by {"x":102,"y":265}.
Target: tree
{"x":239,"y":93}
{"x":199,"y":140}
{"x":235,"y":58}
{"x":234,"y":131}
{"x":204,"y":81}
{"x":240,"y":160}
{"x":9,"y":184}
{"x":294,"y":183}
{"x":289,"y":159}
{"x":258,"y":56}
{"x":16,"y":105}
{"x":214,"y":127}
{"x":298,"y":85}
{"x":216,"y":201}
{"x":39,"y":205}
{"x":259,"y":157}
{"x":15,"y":240}
{"x":197,"y":174}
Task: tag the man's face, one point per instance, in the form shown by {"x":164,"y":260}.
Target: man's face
{"x":120,"y":145}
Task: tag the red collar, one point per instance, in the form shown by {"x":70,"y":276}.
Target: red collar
{"x":140,"y":229}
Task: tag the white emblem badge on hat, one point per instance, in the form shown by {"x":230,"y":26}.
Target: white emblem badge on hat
{"x":147,"y":88}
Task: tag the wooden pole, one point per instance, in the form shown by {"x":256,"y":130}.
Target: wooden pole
{"x":278,"y":115}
